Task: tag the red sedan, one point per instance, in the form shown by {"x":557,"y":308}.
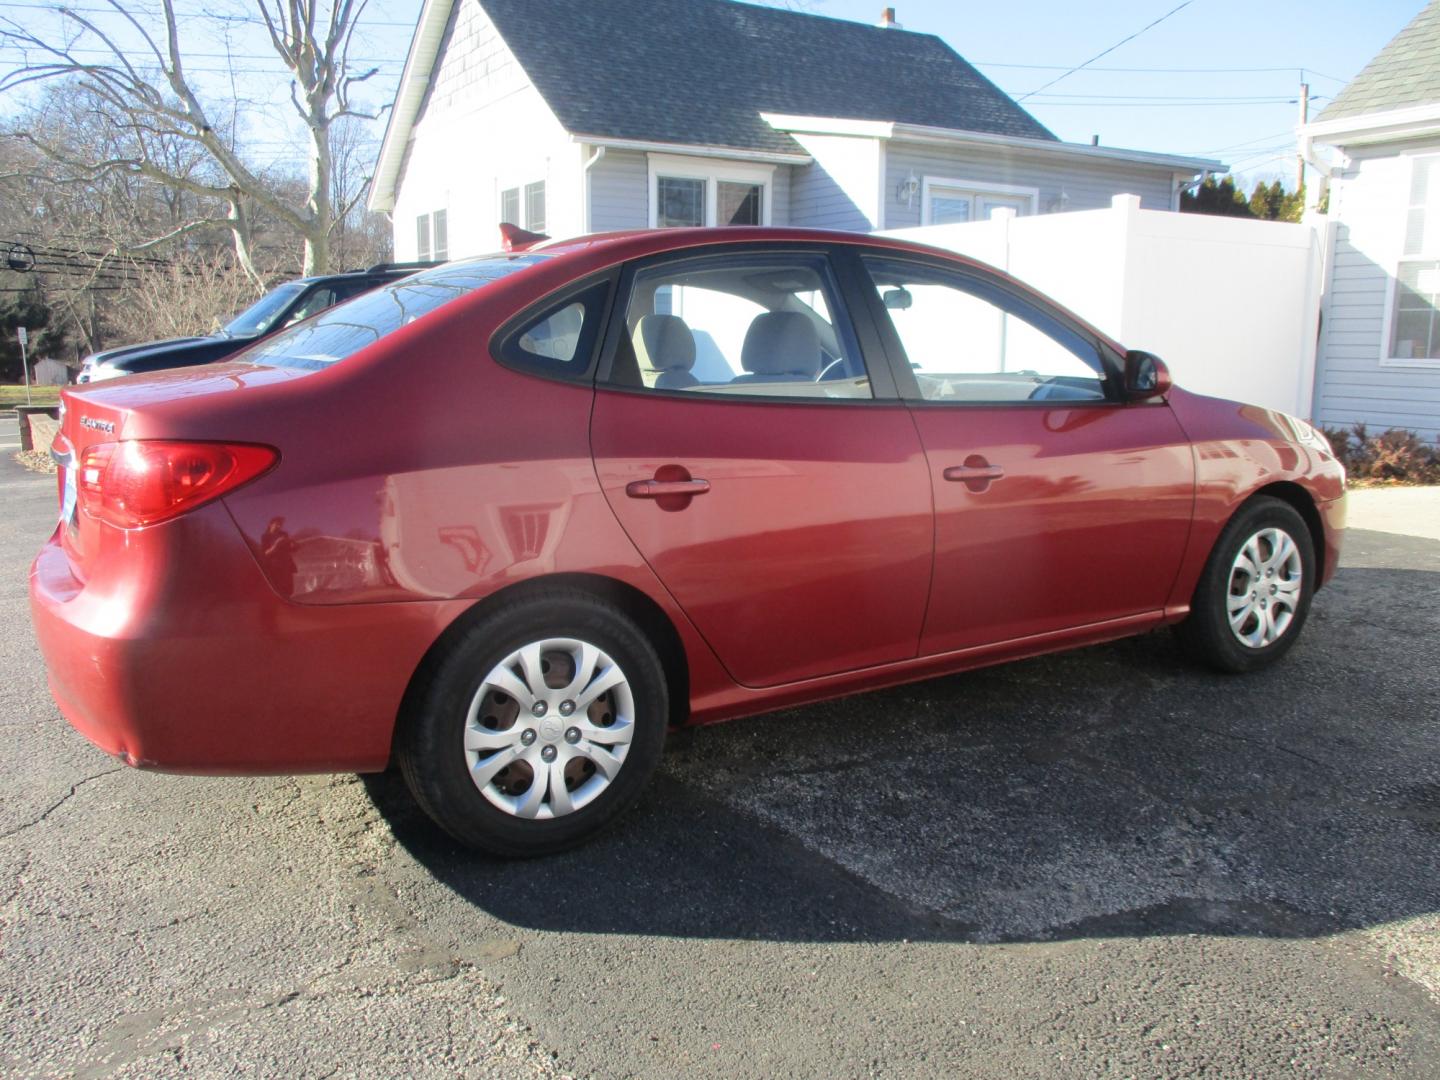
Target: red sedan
{"x":509,"y":520}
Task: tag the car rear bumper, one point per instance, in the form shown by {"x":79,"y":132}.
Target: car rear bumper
{"x":198,"y":666}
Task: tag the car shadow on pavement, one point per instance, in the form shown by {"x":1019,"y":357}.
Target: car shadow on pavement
{"x":1111,"y":791}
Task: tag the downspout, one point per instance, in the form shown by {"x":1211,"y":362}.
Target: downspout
{"x":593,"y":160}
{"x":1326,"y":171}
{"x":1181,"y":187}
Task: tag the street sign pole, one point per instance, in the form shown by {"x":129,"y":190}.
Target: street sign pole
{"x":24,"y":336}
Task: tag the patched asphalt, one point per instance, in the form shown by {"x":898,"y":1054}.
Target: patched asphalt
{"x":1104,"y":862}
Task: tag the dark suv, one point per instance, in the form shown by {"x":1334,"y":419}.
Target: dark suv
{"x":281,"y":306}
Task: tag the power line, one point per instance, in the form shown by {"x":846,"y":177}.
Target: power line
{"x":1178,"y":97}
{"x":1249,"y":142}
{"x":1107,"y":52}
{"x":1293,"y":68}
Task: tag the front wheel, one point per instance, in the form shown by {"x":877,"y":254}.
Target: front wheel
{"x":1254,"y":595}
{"x":539,"y":725}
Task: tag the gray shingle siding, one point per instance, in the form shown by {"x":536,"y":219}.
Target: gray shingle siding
{"x":817,"y":201}
{"x":1405,"y":72}
{"x":620,"y":192}
{"x":1087,"y":185}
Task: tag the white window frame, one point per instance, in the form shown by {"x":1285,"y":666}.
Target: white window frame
{"x":524,"y":203}
{"x":432,"y":252}
{"x":1393,"y":284}
{"x":974,"y":189}
{"x":711,"y":170}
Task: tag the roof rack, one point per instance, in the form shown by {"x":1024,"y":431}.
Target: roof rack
{"x":380,"y":268}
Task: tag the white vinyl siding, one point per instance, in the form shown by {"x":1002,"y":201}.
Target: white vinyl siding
{"x":1354,"y":384}
{"x":484,"y":129}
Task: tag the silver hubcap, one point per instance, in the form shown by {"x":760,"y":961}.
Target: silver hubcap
{"x":1265,"y":584}
{"x":549,"y":728}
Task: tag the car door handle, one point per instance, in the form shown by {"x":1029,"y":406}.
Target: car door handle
{"x":659,"y":489}
{"x":976,"y":474}
{"x":966,"y":473}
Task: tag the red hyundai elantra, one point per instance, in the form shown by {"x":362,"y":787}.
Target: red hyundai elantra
{"x":508,"y":520}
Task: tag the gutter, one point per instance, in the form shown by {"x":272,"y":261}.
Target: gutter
{"x":874,"y":129}
{"x":414,"y":83}
{"x":769,"y":157}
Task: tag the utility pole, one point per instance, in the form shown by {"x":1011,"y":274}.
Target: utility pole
{"x":24,"y":335}
{"x":1304,"y":119}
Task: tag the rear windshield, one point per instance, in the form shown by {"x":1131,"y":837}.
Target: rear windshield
{"x":344,"y":330}
{"x":261,"y":315}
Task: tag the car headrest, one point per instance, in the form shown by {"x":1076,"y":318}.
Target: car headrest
{"x":781,"y":343}
{"x":664,"y":343}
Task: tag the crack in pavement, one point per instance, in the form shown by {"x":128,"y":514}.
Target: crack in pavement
{"x":59,"y":802}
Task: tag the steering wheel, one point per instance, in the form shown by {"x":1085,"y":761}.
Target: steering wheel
{"x":833,"y":366}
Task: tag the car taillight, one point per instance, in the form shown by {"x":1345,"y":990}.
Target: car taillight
{"x":139,"y":482}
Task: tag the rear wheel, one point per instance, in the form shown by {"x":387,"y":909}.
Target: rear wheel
{"x":1254,"y":595}
{"x":540,"y":724}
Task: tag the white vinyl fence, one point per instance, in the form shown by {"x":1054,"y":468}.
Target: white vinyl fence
{"x":1231,"y":305}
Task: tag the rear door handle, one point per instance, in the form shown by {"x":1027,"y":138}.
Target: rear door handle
{"x":659,"y":489}
{"x":976,"y":474}
{"x":965,"y":473}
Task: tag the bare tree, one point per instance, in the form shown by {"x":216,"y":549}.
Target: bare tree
{"x":154,"y":100}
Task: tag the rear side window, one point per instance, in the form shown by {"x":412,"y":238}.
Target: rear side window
{"x":559,"y":337}
{"x":752,"y":324}
{"x":340,"y":332}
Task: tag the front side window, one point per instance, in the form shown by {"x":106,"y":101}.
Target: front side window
{"x":1415,"y":318}
{"x":968,"y":341}
{"x":758,"y":325}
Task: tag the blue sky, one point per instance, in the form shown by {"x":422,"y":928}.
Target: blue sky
{"x":1244,"y":114}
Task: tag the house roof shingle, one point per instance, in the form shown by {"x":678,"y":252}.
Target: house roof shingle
{"x":700,"y":72}
{"x":1405,"y":72}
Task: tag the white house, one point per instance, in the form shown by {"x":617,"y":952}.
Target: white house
{"x":1379,"y":359}
{"x":577,"y":116}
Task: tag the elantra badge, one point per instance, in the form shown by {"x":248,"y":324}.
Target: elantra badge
{"x":107,"y":426}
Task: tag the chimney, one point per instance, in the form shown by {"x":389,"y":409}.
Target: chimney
{"x":1094,"y":140}
{"x":887,"y":19}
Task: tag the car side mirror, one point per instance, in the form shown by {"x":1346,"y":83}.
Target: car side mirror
{"x":898,"y":299}
{"x":1146,"y":375}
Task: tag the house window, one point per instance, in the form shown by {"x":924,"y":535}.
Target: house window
{"x":440,"y":235}
{"x":680,"y":202}
{"x":524,"y":206}
{"x":432,"y":237}
{"x":693,"y":192}
{"x":535,"y":207}
{"x":1415,"y":314}
{"x":951,"y":202}
{"x":738,"y":204}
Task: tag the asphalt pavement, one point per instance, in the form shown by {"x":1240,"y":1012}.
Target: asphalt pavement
{"x":1104,"y":862}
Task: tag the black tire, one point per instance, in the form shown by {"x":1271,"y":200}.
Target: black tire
{"x":431,"y":736}
{"x":1206,"y":634}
